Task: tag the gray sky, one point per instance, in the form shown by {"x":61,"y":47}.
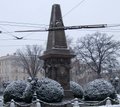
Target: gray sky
{"x":84,"y":12}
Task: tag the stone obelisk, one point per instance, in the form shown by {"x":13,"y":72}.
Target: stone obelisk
{"x":57,"y":57}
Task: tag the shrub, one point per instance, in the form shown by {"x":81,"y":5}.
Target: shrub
{"x":98,"y":90}
{"x":14,"y":91}
{"x":46,"y":89}
{"x":49,"y":90}
{"x":28,"y":93}
{"x":76,"y":89}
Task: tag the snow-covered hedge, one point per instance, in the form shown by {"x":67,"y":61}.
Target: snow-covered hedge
{"x":46,"y":89}
{"x":49,"y":90}
{"x":76,"y":89}
{"x":14,"y":91}
{"x":28,"y":93}
{"x":98,"y":90}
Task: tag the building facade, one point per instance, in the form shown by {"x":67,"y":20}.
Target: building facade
{"x":10,"y":71}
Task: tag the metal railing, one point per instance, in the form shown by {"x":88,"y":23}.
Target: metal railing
{"x":74,"y":102}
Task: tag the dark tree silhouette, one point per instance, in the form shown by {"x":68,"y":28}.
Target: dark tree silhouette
{"x":98,"y":51}
{"x":28,"y":58}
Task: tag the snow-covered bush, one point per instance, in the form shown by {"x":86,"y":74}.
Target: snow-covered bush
{"x":30,"y":89}
{"x":46,"y":89}
{"x":98,"y":90}
{"x":28,"y":93}
{"x":76,"y":89}
{"x":14,"y":91}
{"x":49,"y":90}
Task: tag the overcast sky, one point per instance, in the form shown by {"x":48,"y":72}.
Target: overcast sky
{"x":34,"y":14}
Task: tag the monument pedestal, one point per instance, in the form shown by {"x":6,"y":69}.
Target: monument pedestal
{"x":57,"y":57}
{"x":68,"y":95}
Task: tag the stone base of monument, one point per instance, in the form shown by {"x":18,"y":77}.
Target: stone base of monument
{"x":68,"y":95}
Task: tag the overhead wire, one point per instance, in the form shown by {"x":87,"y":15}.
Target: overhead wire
{"x":23,"y":24}
{"x":14,"y":45}
{"x":45,"y":29}
{"x":99,"y":30}
{"x":114,"y":25}
{"x":7,"y":24}
{"x":20,"y":23}
{"x":42,"y":30}
{"x":106,"y":29}
{"x":22,"y":40}
{"x":15,"y":39}
{"x":6,"y":31}
{"x":81,"y":27}
{"x":38,"y":25}
{"x":73,"y":8}
{"x":13,"y":35}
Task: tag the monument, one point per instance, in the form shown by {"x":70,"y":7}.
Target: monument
{"x":57,"y":57}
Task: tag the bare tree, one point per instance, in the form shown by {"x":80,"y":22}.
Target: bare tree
{"x":28,"y":58}
{"x":98,"y":51}
{"x":69,"y":41}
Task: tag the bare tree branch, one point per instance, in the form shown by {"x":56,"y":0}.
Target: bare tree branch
{"x":98,"y":51}
{"x":29,"y":59}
